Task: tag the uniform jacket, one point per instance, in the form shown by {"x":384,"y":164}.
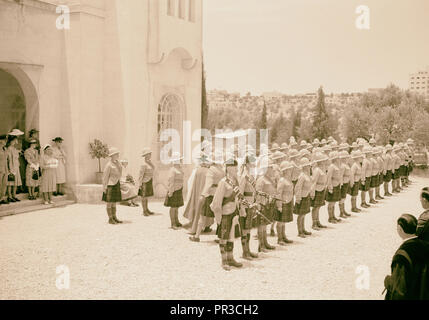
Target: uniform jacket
{"x":112,"y":174}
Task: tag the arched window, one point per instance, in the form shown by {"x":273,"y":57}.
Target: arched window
{"x":170,"y":116}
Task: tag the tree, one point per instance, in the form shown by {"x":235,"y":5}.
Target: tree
{"x":204,"y":105}
{"x":263,"y":120}
{"x":320,"y":121}
{"x":296,"y":124}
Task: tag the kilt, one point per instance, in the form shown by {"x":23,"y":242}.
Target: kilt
{"x":403,"y":171}
{"x":267,"y":211}
{"x":354,"y":191}
{"x":409,"y":169}
{"x":374,"y":181}
{"x":175,"y":201}
{"x":206,"y":210}
{"x":146,"y":190}
{"x":224,"y":229}
{"x":388,"y":176}
{"x":286,"y":215}
{"x":365,"y":186}
{"x":380,"y":179}
{"x":113,"y":194}
{"x":335,"y":195}
{"x":319,"y":199}
{"x":303,"y":207}
{"x":344,"y":190}
{"x":246,"y":222}
{"x":396,"y":174}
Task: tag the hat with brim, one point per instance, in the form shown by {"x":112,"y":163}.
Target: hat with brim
{"x":285,"y":165}
{"x":58,"y":139}
{"x":47,"y":146}
{"x":113,"y":151}
{"x":33,"y":131}
{"x":146,"y":151}
{"x":16,"y":133}
{"x":32,"y":142}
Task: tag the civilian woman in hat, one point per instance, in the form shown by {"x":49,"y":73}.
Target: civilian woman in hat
{"x":303,"y":190}
{"x":213,"y":176}
{"x":387,"y":169}
{"x":345,"y":181}
{"x":60,"y":155}
{"x":409,"y":279}
{"x":112,"y":185}
{"x":32,"y":171}
{"x":355,"y":178}
{"x":226,"y":210}
{"x":246,"y":184}
{"x":13,"y":174}
{"x":146,"y":180}
{"x":334,"y":180}
{"x":284,"y":212}
{"x":3,"y":170}
{"x":48,"y":183}
{"x":318,"y":194}
{"x":267,"y":189}
{"x":174,"y":198}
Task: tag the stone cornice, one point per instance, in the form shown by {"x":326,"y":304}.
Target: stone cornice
{"x":75,"y":6}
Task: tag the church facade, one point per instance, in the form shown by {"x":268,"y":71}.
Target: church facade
{"x":122,"y":72}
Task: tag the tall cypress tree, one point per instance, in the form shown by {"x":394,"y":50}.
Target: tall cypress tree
{"x":321,"y":128}
{"x":204,"y":105}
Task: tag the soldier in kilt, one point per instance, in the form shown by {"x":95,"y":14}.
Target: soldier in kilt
{"x":404,"y":166}
{"x":303,"y":191}
{"x":284,"y":212}
{"x":333,"y":182}
{"x":226,"y":210}
{"x":277,"y":158}
{"x":345,"y":172}
{"x":111,"y":185}
{"x":374,"y":176}
{"x":388,"y":166}
{"x":379,"y":152}
{"x":146,"y":180}
{"x":396,"y":169}
{"x":366,"y":174}
{"x":246,"y":182}
{"x":410,"y":144}
{"x":174,"y":198}
{"x":355,"y":178}
{"x":319,"y":179}
{"x":266,"y":188}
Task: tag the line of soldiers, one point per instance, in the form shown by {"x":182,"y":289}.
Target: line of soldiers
{"x":241,"y":193}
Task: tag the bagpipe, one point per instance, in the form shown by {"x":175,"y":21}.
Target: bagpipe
{"x":242,"y":200}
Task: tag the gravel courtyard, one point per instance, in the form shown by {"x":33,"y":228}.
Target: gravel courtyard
{"x":144,"y":259}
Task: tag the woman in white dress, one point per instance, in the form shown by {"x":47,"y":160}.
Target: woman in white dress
{"x":49,"y":165}
{"x":60,"y":155}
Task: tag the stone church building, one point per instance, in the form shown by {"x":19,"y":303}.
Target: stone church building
{"x":123,"y":71}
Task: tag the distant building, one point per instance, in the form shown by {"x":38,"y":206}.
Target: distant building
{"x":419,"y":82}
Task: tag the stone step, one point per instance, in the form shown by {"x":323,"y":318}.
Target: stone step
{"x":26,"y":205}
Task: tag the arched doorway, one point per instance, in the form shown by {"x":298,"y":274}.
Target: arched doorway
{"x":12,"y":104}
{"x":170,"y":116}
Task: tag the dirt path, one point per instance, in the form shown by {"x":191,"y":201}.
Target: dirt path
{"x":143,"y":259}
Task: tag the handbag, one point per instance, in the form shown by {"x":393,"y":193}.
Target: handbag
{"x":35,"y":175}
{"x":11,"y":177}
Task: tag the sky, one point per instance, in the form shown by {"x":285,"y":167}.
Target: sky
{"x":295,"y":46}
